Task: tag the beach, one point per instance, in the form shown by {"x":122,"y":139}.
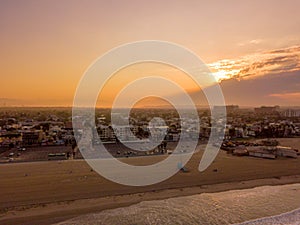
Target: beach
{"x":51,"y":192}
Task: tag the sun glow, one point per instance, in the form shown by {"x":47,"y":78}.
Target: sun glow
{"x":221,"y":75}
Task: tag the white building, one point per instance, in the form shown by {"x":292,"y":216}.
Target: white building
{"x":292,"y":113}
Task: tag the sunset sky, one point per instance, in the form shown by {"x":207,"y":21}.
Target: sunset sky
{"x":252,"y":47}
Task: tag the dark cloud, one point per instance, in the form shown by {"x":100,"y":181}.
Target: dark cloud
{"x":264,"y":90}
{"x":273,"y":64}
{"x":275,"y":89}
{"x":284,"y":50}
{"x":268,"y":78}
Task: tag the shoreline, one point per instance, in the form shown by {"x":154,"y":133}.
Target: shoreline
{"x":55,"y":212}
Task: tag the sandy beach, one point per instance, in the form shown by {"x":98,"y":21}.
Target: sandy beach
{"x":50,"y":192}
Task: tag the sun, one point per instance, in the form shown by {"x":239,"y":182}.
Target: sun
{"x":221,"y":75}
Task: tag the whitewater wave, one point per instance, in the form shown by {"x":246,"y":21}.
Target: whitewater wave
{"x":229,"y":207}
{"x":289,"y":218}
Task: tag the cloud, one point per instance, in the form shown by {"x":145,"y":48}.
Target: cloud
{"x":251,"y":42}
{"x":289,"y":96}
{"x":255,"y":41}
{"x":274,"y":89}
{"x":249,"y":66}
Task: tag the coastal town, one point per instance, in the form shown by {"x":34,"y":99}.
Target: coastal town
{"x":47,"y":134}
{"x":149,"y":112}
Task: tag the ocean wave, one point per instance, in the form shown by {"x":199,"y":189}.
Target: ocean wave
{"x":289,"y":218}
{"x":229,"y":207}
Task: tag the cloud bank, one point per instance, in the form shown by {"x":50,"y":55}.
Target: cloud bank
{"x":250,"y":66}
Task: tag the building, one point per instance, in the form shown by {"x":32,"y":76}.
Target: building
{"x":262,"y":152}
{"x":286,"y":152}
{"x":30,"y":138}
{"x":292,"y":113}
{"x":232,"y":108}
{"x":106,"y":133}
{"x":266,"y":110}
{"x":125,"y":133}
{"x":229,"y":108}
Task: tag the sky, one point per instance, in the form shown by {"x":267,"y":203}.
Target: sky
{"x":251,"y":47}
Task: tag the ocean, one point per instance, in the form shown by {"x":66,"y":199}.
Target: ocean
{"x":260,"y":205}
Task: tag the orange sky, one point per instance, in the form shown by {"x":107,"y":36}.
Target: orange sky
{"x":47,"y":45}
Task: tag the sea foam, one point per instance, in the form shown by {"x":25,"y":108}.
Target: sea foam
{"x":229,"y":207}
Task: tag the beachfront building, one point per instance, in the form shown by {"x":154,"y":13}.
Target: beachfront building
{"x":125,"y":133}
{"x":286,"y":152}
{"x":30,"y":138}
{"x":173,"y":136}
{"x":106,"y":133}
{"x":10,"y":139}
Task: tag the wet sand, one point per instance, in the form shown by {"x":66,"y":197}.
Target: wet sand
{"x":49,"y":192}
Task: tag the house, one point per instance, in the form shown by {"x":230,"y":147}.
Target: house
{"x":262,"y":152}
{"x":30,"y":138}
{"x":286,"y":152}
